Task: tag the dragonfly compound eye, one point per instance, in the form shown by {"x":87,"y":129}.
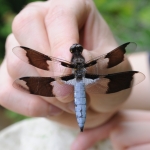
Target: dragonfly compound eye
{"x":76,"y":48}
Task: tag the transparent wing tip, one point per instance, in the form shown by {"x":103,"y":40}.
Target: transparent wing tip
{"x":138,"y":78}
{"x":21,"y":86}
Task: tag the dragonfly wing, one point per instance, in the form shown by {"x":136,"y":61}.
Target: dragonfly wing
{"x":116,"y":82}
{"x":45,"y":86}
{"x":109,"y":60}
{"x":40,"y":60}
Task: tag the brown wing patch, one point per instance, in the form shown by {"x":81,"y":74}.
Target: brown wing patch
{"x":116,"y":56}
{"x":36,"y":58}
{"x":35,"y":85}
{"x":120,"y":81}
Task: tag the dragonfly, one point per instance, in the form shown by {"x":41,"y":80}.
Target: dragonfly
{"x":84,"y":75}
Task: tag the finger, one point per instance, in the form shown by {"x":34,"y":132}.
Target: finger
{"x":89,"y":137}
{"x":29,"y":28}
{"x":98,"y":38}
{"x":130,"y":134}
{"x":63,"y":22}
{"x":140,"y":147}
{"x":134,"y":116}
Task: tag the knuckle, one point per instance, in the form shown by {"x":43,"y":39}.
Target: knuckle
{"x":24,"y":18}
{"x":54,"y":14}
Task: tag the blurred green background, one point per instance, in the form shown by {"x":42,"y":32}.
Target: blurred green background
{"x":129,"y":21}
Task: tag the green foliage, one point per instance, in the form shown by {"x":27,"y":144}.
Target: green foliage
{"x":14,"y":116}
{"x":129,"y":20}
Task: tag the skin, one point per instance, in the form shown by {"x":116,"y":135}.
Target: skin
{"x":128,"y":130}
{"x":51,"y":27}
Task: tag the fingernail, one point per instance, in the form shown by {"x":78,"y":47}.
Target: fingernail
{"x":71,"y":106}
{"x":54,"y":111}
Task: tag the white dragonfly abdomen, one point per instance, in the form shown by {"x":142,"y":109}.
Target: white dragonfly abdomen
{"x":80,"y":98}
{"x":80,"y":103}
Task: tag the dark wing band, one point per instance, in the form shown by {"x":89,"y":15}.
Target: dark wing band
{"x":38,"y":59}
{"x":35,"y":85}
{"x":116,"y":82}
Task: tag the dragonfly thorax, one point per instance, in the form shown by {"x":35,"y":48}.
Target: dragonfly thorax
{"x":78,"y":60}
{"x":80,"y":73}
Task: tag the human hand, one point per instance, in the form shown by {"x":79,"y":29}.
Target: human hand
{"x":128,"y":130}
{"x":52,"y":27}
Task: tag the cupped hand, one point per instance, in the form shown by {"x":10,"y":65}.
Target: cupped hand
{"x":51,"y":27}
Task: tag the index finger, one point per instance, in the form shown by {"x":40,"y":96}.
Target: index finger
{"x":63,"y":22}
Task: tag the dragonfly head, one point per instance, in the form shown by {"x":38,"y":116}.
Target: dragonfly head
{"x":76,"y":48}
